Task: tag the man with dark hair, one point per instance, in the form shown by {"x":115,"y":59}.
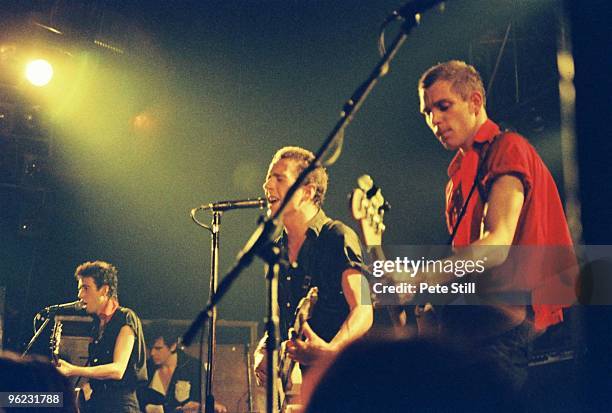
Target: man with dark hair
{"x":328,"y":256}
{"x":174,"y":376}
{"x":117,"y":359}
{"x":514,"y":202}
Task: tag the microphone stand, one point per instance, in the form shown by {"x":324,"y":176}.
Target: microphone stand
{"x":260,"y":243}
{"x":215,"y":227}
{"x":37,"y":333}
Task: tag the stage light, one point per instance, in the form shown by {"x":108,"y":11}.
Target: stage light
{"x":39,"y":72}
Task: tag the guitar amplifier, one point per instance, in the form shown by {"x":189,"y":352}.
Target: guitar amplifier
{"x":75,"y":338}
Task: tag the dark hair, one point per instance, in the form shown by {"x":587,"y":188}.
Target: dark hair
{"x":161,"y":329}
{"x":318,"y":177}
{"x":464,"y":78}
{"x":103,"y":273}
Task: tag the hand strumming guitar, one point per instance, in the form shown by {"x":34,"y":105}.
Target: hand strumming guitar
{"x":310,"y":350}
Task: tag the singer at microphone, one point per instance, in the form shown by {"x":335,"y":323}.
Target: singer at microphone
{"x":116,"y":364}
{"x":328,"y":256}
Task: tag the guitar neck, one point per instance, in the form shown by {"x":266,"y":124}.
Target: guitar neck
{"x":287,"y":364}
{"x":285,"y":370}
{"x":396,"y":312}
{"x":376,"y":252}
{"x":56,"y":337}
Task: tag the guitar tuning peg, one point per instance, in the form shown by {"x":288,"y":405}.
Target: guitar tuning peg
{"x":365,"y":203}
{"x":365,"y":182}
{"x":373,"y":192}
{"x":377,"y":198}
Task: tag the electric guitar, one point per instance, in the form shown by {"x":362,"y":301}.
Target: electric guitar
{"x":368,"y":207}
{"x":303,"y":313}
{"x":54,"y":347}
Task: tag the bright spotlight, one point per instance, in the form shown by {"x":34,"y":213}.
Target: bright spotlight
{"x":39,"y":72}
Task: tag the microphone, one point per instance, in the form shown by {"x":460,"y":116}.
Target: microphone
{"x":234,"y":204}
{"x":73,"y":305}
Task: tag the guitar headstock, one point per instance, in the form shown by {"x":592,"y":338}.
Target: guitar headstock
{"x":306,"y":305}
{"x":56,"y":338}
{"x":368,"y":207}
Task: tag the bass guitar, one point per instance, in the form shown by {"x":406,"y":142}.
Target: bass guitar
{"x":368,"y":207}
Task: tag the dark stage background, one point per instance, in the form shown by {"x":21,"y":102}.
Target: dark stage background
{"x":195,"y":105}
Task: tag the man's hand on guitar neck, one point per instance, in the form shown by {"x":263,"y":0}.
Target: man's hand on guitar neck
{"x":65,"y":368}
{"x":311,"y":350}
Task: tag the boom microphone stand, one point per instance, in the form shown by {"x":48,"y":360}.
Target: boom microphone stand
{"x":37,"y":333}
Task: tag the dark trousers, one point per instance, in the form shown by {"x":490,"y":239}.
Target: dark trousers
{"x":117,"y":400}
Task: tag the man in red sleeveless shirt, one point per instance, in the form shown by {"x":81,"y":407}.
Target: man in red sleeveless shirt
{"x":514,"y":203}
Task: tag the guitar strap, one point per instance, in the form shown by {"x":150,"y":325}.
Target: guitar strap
{"x":480,"y":172}
{"x":419,"y":310}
